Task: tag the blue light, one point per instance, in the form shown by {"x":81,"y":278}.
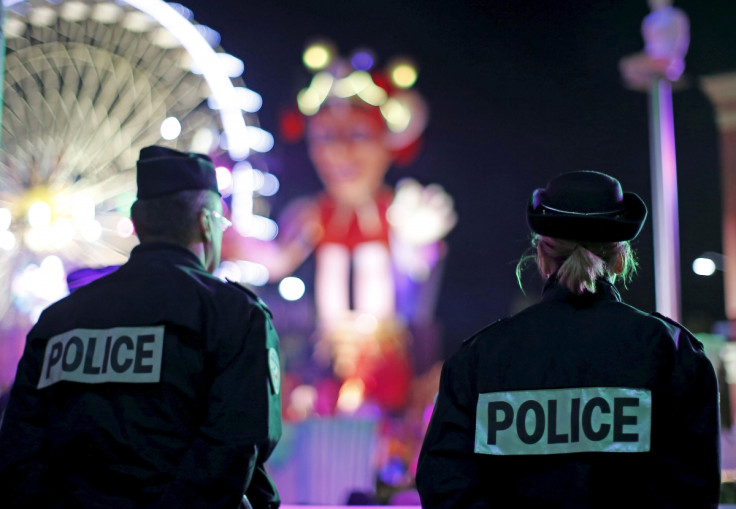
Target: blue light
{"x":362,"y":61}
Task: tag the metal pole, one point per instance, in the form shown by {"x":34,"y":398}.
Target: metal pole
{"x":665,"y":219}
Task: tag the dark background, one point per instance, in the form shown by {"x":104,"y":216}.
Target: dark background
{"x":519,"y":91}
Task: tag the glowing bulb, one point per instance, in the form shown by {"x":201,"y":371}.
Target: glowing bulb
{"x":291,"y":288}
{"x":253,"y":273}
{"x":404,"y":75}
{"x":170,"y":128}
{"x":39,"y":215}
{"x":317,"y":57}
{"x":362,"y":61}
{"x":258,"y":139}
{"x":5,"y":219}
{"x":91,"y":231}
{"x":228,"y":271}
{"x":83,"y":209}
{"x":203,"y":140}
{"x":224,"y":180}
{"x":125,"y":227}
{"x":704,"y":266}
{"x":7,"y":240}
{"x":351,"y":395}
{"x":396,"y":114}
{"x":249,"y":100}
{"x":270,"y":185}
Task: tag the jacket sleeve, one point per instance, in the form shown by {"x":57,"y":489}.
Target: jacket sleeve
{"x":692,"y":461}
{"x":241,"y":428}
{"x":447,"y":472}
{"x":24,"y":461}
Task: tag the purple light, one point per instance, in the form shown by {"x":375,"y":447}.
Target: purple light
{"x":362,"y":61}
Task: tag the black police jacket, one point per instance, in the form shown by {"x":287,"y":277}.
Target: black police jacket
{"x":578,"y":401}
{"x":155,"y":386}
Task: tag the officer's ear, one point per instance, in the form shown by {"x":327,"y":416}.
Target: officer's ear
{"x":618,"y":268}
{"x":205,"y":225}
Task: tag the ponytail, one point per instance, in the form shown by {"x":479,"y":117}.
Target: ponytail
{"x":578,"y":265}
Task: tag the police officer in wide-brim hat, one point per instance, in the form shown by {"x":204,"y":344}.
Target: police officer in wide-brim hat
{"x":579,"y":400}
{"x":587,"y":206}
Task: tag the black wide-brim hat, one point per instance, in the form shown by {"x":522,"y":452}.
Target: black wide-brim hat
{"x":162,"y":171}
{"x":586,"y":206}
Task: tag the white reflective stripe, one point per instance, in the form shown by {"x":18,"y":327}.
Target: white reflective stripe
{"x":120,"y":354}
{"x":563,"y":421}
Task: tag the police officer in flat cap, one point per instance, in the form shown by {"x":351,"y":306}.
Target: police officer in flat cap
{"x":579,"y":401}
{"x":157,"y":385}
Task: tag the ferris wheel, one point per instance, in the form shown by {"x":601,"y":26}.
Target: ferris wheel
{"x":87,"y":84}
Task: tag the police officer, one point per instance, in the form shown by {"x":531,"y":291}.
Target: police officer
{"x":580,"y":400}
{"x":154,"y":386}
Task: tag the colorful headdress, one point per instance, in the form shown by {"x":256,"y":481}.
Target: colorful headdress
{"x":355,"y":80}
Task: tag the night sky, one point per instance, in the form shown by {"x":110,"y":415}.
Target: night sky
{"x":519,"y":92}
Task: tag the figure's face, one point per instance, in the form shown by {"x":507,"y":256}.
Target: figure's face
{"x":347,"y":145}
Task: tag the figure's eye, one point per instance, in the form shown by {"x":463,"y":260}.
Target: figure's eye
{"x":359,"y":133}
{"x":323,"y":136}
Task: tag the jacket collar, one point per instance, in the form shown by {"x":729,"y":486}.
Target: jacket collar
{"x":170,"y":252}
{"x":605,"y":290}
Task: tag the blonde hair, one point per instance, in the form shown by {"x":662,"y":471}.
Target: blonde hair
{"x":578,"y":265}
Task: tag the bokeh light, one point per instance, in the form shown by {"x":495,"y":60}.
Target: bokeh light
{"x":292,"y":288}
{"x":39,"y":214}
{"x":404,"y":75}
{"x":704,"y":266}
{"x":170,"y":128}
{"x":317,"y":56}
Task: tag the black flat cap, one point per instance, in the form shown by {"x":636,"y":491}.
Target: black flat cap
{"x":163,"y":170}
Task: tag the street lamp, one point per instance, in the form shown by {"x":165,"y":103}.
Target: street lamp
{"x":667,"y":36}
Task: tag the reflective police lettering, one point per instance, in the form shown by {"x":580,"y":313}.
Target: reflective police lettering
{"x":120,"y":354}
{"x":561,"y":421}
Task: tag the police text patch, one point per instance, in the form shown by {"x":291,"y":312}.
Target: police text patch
{"x":562,"y":421}
{"x":120,"y":354}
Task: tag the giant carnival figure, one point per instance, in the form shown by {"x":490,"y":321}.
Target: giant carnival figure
{"x":376,"y":249}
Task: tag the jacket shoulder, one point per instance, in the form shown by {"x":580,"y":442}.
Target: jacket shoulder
{"x":250,"y":295}
{"x":676,"y":329}
{"x":488,"y":329}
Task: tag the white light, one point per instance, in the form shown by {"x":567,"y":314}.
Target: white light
{"x":258,"y":139}
{"x":291,"y":288}
{"x":125,"y":227}
{"x":228,"y":271}
{"x":248,"y":100}
{"x":42,"y":16}
{"x":205,"y":56}
{"x":91,"y":231}
{"x":5,"y":219}
{"x":242,"y":202}
{"x":74,"y":11}
{"x":107,"y":13}
{"x":7,"y":240}
{"x":270,"y":185}
{"x":39,"y":214}
{"x":253,"y":273}
{"x":203,"y":141}
{"x":704,"y":266}
{"x":232,"y":66}
{"x":208,"y":34}
{"x":224,"y":180}
{"x":259,"y":227}
{"x":366,"y":323}
{"x":83,"y":209}
{"x":170,"y":128}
